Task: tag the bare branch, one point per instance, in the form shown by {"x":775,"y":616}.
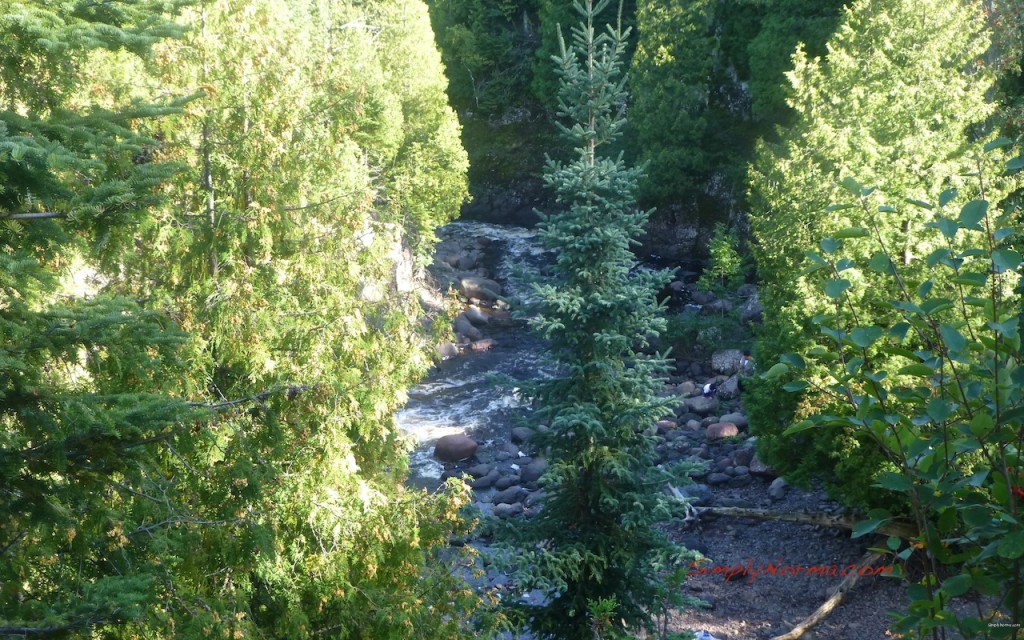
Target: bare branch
{"x":40,"y":215}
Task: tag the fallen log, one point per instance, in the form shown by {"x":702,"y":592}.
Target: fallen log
{"x":837,"y":597}
{"x":898,"y":528}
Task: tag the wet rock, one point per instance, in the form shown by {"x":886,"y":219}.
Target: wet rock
{"x":508,"y":510}
{"x":455,"y":447}
{"x":476,"y":316}
{"x":447,"y":350}
{"x":479,"y":346}
{"x":721,"y":430}
{"x":510,"y":495}
{"x":504,"y":482}
{"x":521,"y":435}
{"x":480,"y":470}
{"x":533,"y":471}
{"x":464,"y":327}
{"x":480,"y":288}
{"x":485,"y":481}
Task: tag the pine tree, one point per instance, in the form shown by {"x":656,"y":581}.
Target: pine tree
{"x":89,"y":404}
{"x":593,"y":544}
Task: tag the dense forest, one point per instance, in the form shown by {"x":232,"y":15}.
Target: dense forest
{"x":216,"y":222}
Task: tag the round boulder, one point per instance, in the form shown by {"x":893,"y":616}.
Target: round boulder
{"x":455,"y":447}
{"x":726,"y":362}
{"x":721,"y":430}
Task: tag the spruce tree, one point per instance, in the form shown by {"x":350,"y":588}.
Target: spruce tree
{"x":593,"y":545}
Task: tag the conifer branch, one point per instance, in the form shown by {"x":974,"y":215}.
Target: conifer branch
{"x":38,"y":215}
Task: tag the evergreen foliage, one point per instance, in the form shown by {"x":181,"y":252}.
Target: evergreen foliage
{"x":87,"y":386}
{"x":594,"y":540}
{"x":314,"y":169}
{"x":893,"y":106}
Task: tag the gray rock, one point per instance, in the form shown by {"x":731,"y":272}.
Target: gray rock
{"x":737,"y":419}
{"x":726,"y":362}
{"x":741,"y":470}
{"x":760,"y":469}
{"x":463,"y":326}
{"x":533,"y":471}
{"x":512,"y":494}
{"x":447,"y":350}
{"x":752,"y":310}
{"x":455,"y":447}
{"x":777,"y":489}
{"x":480,"y":288}
{"x":699,"y":494}
{"x":730,"y":389}
{"x":485,"y":481}
{"x":701,"y":405}
{"x":693,"y":425}
{"x":480,"y":470}
{"x":521,"y":434}
{"x":743,"y":456}
{"x":715,"y":479}
{"x":687,"y":388}
{"x":508,"y":510}
{"x":504,"y":482}
{"x":476,"y":316}
{"x":740,"y":481}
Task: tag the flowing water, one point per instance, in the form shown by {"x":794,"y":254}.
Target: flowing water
{"x":461,"y":395}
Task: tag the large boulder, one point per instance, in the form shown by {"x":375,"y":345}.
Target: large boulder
{"x":752,"y":310}
{"x":701,"y":405}
{"x":730,"y":389}
{"x":455,"y":447}
{"x":721,"y":430}
{"x":533,"y":471}
{"x":464,"y":327}
{"x":480,"y":288}
{"x":726,"y":362}
{"x":736,"y":418}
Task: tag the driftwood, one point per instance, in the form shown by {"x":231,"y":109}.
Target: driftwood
{"x":898,"y":528}
{"x":837,"y":597}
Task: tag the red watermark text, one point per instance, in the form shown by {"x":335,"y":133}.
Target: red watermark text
{"x":752,"y":571}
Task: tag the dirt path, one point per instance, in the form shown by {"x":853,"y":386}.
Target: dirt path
{"x":750,"y":607}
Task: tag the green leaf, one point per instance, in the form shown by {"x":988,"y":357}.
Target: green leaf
{"x":886,"y":208}
{"x":998,"y":143}
{"x":952,"y":337}
{"x":947,"y":196}
{"x":917,"y":369}
{"x":864,"y":337}
{"x":778,"y":369}
{"x":937,"y":256}
{"x":851,"y":232}
{"x":815,"y":258}
{"x":939,"y":409}
{"x":1012,"y":546}
{"x":795,"y":386}
{"x":971,"y":279}
{"x":803,"y":425}
{"x":852,"y":186}
{"x":935,"y":305}
{"x":867,"y":526}
{"x":972,"y":213}
{"x":839,"y":207}
{"x":844,"y":263}
{"x":957,"y":585}
{"x":1015,"y":164}
{"x":1004,"y":233}
{"x":899,"y":331}
{"x":830,"y":245}
{"x":880,"y":262}
{"x":894,"y":481}
{"x":920,"y":203}
{"x":925,"y":288}
{"x":1007,"y":329}
{"x":1006,"y":259}
{"x":794,"y":360}
{"x":834,"y":288}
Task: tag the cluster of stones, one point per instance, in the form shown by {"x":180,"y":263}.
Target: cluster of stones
{"x":503,"y":474}
{"x":458,"y":266}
